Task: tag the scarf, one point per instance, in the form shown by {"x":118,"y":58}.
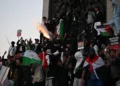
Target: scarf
{"x":96,"y":62}
{"x":42,"y":56}
{"x":91,"y":62}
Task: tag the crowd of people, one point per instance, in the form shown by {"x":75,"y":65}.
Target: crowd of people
{"x":64,"y":63}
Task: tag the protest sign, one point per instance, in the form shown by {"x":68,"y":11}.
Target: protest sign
{"x":114,"y":43}
{"x":80,"y":45}
{"x":19,"y":32}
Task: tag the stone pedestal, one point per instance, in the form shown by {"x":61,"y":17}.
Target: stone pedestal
{"x":109,"y":10}
{"x":45,"y":8}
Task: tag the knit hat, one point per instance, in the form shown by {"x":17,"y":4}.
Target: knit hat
{"x":92,"y":50}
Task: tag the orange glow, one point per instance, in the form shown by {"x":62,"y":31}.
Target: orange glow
{"x":43,"y":30}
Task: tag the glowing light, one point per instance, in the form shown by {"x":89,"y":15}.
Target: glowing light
{"x":43,"y":30}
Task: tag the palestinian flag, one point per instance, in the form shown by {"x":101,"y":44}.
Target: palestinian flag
{"x":95,"y":63}
{"x":104,"y":30}
{"x":30,"y":57}
{"x":42,"y":56}
{"x":60,"y":29}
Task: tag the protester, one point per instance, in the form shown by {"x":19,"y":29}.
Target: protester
{"x":12,"y":50}
{"x":99,"y":15}
{"x":91,"y":16}
{"x":62,"y":64}
{"x":39,"y":76}
{"x":36,"y":46}
{"x":45,"y":24}
{"x":78,"y":69}
{"x":20,"y":46}
{"x":19,"y":79}
{"x":116,"y":16}
{"x":92,"y":63}
{"x":114,"y":63}
{"x":29,"y":45}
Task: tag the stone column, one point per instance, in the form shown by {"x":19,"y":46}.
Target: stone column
{"x":109,"y":10}
{"x":118,"y":2}
{"x":46,"y":8}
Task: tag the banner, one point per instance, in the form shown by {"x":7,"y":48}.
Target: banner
{"x":115,"y":47}
{"x":3,"y":73}
{"x":19,"y":32}
{"x":114,"y":43}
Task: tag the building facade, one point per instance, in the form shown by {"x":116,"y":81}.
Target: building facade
{"x":52,"y":8}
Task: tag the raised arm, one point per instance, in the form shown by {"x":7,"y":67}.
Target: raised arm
{"x":18,"y":42}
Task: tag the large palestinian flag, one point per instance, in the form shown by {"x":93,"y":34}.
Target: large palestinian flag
{"x":30,"y":57}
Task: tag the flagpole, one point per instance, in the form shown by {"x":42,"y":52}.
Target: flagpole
{"x":18,"y":37}
{"x":7,"y":40}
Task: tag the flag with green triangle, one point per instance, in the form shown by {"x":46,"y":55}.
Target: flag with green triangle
{"x":104,"y":30}
{"x":30,"y":57}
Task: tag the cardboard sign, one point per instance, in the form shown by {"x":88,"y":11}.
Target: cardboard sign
{"x":115,"y":47}
{"x":19,"y":32}
{"x":80,"y":45}
{"x":114,"y":43}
